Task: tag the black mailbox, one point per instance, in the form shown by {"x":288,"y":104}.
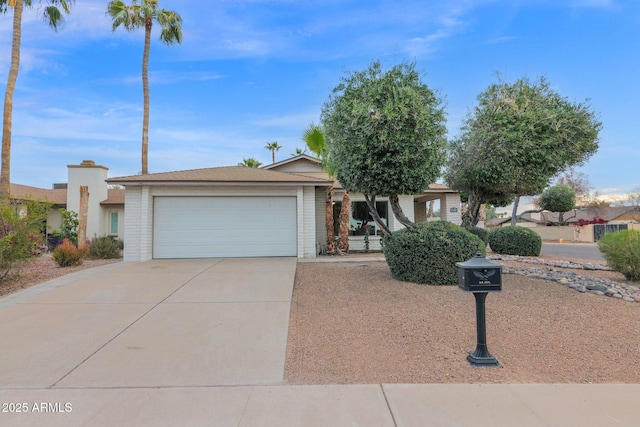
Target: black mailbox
{"x":479,"y":275}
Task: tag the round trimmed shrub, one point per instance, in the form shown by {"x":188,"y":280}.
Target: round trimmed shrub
{"x":622,"y":252}
{"x":482,"y":233}
{"x":429,"y":254}
{"x":67,"y":254}
{"x":515,"y":240}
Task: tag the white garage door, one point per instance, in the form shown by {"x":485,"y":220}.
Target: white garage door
{"x":209,"y":227}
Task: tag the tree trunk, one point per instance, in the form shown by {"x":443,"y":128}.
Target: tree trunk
{"x":371,"y":203}
{"x":345,"y":211}
{"x":399,"y":214}
{"x":5,"y":174}
{"x":430,"y":209}
{"x":145,"y":93}
{"x":514,"y":213}
{"x":82,"y":217}
{"x":331,"y":248}
{"x":471,"y":215}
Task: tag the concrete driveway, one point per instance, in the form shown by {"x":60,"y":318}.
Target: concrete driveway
{"x":155,"y":324}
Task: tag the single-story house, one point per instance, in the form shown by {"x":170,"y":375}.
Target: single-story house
{"x":276,"y":210}
{"x":585,"y":224}
{"x":105,"y":214}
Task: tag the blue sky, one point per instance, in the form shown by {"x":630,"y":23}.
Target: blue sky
{"x":252,"y":72}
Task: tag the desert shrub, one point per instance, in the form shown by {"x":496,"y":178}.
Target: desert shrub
{"x":482,"y":233}
{"x":622,"y":252}
{"x":429,"y":254}
{"x":515,"y":240}
{"x":68,"y":254}
{"x":21,"y":236}
{"x":104,"y":247}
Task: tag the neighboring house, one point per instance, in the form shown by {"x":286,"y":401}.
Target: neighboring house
{"x":585,"y":224}
{"x":604,"y":215}
{"x":105,"y":214}
{"x":277,"y":210}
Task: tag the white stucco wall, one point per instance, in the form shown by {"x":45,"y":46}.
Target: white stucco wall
{"x":306,"y":222}
{"x":93,"y":176}
{"x":447,"y":204}
{"x":106,"y":224}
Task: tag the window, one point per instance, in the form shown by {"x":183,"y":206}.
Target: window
{"x":361,"y":219}
{"x":113,"y":223}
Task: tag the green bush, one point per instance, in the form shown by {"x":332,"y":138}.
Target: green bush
{"x":21,"y":236}
{"x":622,"y":252}
{"x":515,"y":240}
{"x":429,"y":254}
{"x":482,"y":233}
{"x":104,"y":247}
{"x":68,"y":228}
{"x":68,"y":254}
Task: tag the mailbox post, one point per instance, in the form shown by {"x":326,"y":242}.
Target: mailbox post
{"x":480,"y":276}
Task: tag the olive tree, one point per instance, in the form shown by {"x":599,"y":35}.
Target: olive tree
{"x":515,"y":140}
{"x":559,"y":198}
{"x":387,"y":135}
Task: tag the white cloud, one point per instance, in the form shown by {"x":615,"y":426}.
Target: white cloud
{"x":290,"y":121}
{"x":169,"y":77}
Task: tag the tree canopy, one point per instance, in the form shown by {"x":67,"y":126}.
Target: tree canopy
{"x":387,"y":133}
{"x":559,"y":198}
{"x":515,"y":140}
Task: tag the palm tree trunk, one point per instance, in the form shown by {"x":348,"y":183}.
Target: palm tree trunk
{"x":145,"y":92}
{"x":331,"y":243}
{"x":345,"y":211}
{"x":5,"y":175}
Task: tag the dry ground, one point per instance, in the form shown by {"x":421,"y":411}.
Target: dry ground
{"x":353,"y":323}
{"x":40,"y":270}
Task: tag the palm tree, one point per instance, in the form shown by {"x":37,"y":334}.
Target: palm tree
{"x":250,"y":163}
{"x":314,"y":137}
{"x":273,"y":147}
{"x":298,"y":152}
{"x":52,"y":16}
{"x":142,"y":13}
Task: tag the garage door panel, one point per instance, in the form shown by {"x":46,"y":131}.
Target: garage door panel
{"x":202,"y":227}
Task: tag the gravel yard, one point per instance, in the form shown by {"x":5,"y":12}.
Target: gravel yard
{"x":353,"y":323}
{"x":42,"y":269}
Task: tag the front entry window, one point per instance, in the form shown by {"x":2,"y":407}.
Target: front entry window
{"x":361,"y":219}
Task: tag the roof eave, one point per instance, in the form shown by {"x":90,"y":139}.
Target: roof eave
{"x":139,"y":183}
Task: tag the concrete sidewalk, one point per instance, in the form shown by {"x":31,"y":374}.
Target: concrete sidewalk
{"x":202,"y":343}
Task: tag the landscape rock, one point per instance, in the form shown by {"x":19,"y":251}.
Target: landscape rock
{"x":573,"y":280}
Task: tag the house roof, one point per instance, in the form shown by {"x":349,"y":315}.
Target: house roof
{"x":606,"y":213}
{"x":25,"y":192}
{"x":230,"y":175}
{"x":115,"y":196}
{"x":292,"y":159}
{"x":609,"y":213}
